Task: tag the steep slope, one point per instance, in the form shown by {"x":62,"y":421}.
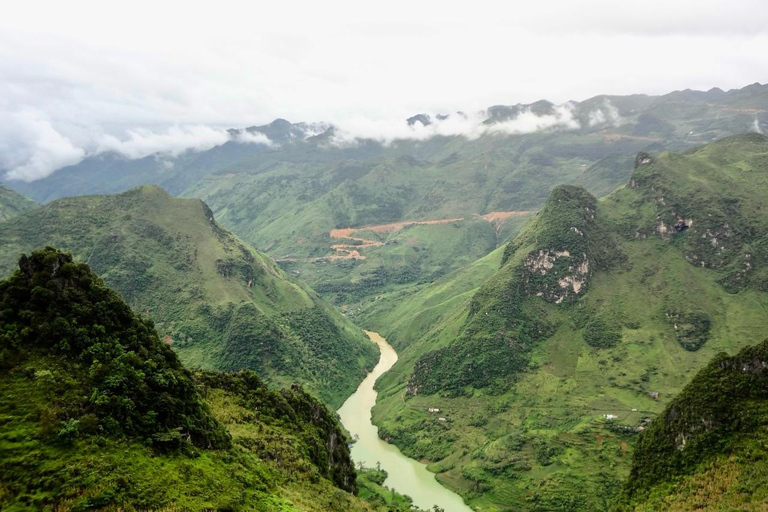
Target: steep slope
{"x":97,"y":413}
{"x":217,"y":302}
{"x":707,"y":450}
{"x":285,"y":198}
{"x":599,"y":312}
{"x":13,"y":204}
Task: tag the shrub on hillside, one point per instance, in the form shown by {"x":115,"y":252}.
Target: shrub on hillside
{"x":601,"y":334}
{"x":133,"y":383}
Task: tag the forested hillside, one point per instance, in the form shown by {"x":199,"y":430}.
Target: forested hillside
{"x":707,"y":450}
{"x":217,"y":302}
{"x":97,"y":413}
{"x":599,"y":313}
{"x":13,"y":204}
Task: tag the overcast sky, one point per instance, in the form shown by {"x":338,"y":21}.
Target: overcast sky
{"x":137,"y":77}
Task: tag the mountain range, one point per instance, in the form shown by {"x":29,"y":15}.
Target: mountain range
{"x":98,"y":413}
{"x":219,"y":303}
{"x":286,"y":192}
{"x":568,"y":285}
{"x":550,"y":355}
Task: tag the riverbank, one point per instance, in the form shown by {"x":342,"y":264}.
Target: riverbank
{"x":405,"y":475}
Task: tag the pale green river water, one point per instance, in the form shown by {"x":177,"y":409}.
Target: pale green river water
{"x":406,"y":476}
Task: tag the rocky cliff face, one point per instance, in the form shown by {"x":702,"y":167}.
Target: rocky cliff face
{"x":716,"y":216}
{"x":552,"y":260}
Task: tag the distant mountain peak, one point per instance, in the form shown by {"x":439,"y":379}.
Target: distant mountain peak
{"x":424,"y":119}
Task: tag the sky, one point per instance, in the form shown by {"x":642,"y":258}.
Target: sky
{"x":79,"y":77}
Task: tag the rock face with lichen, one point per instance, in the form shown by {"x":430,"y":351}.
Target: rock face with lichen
{"x":571,"y":273}
{"x":552,"y":260}
{"x":716,"y":227}
{"x":568,"y":242}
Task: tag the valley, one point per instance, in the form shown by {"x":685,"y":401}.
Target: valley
{"x":541,"y":412}
{"x":406,"y":475}
{"x":547,"y":297}
{"x":351,"y":250}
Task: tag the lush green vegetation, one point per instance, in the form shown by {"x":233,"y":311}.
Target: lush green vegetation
{"x":97,"y":413}
{"x":600,"y":334}
{"x":555,"y":429}
{"x":284,"y":199}
{"x":13,"y":204}
{"x":563,"y":244}
{"x":216,"y":301}
{"x":550,"y":336}
{"x":707,"y":450}
{"x":370,"y":483}
{"x":132,"y":384}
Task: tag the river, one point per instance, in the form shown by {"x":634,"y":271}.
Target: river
{"x":406,"y":476}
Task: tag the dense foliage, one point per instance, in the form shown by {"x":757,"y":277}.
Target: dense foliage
{"x":97,"y":413}
{"x":13,"y":204}
{"x":556,"y":428}
{"x":134,"y":384}
{"x":216,"y":301}
{"x":601,"y":334}
{"x":505,"y":320}
{"x":719,"y":419}
{"x":319,"y":438}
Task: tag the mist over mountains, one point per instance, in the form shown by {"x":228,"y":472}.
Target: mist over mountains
{"x":405,"y":257}
{"x":32,"y":148}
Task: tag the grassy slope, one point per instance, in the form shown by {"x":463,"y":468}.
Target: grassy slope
{"x":284,"y":201}
{"x":409,"y":257}
{"x":542,"y":442}
{"x":64,"y":448}
{"x":13,"y":204}
{"x":707,"y":450}
{"x":170,"y":259}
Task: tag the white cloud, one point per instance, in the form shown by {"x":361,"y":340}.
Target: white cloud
{"x":44,"y":149}
{"x":31,"y":148}
{"x":606,"y":114}
{"x":470,"y":126}
{"x":135,"y":76}
{"x":251,"y":137}
{"x":173,"y":141}
{"x":528,"y":122}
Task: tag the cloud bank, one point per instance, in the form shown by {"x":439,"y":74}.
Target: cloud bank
{"x":75,"y":79}
{"x":31,"y":147}
{"x":252,"y":137}
{"x":43,"y":150}
{"x":173,"y":141}
{"x":472,"y":126}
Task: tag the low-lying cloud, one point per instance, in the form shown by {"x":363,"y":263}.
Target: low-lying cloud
{"x":31,"y":148}
{"x":606,"y":113}
{"x":252,"y":137}
{"x":472,"y":126}
{"x":173,"y":141}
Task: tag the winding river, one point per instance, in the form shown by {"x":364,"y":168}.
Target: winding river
{"x":406,"y":475}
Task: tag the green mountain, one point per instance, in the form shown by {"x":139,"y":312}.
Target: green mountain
{"x":548,"y":356}
{"x":707,"y":450}
{"x":97,"y":413}
{"x":216,"y":301}
{"x":13,"y":204}
{"x":285,"y":199}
